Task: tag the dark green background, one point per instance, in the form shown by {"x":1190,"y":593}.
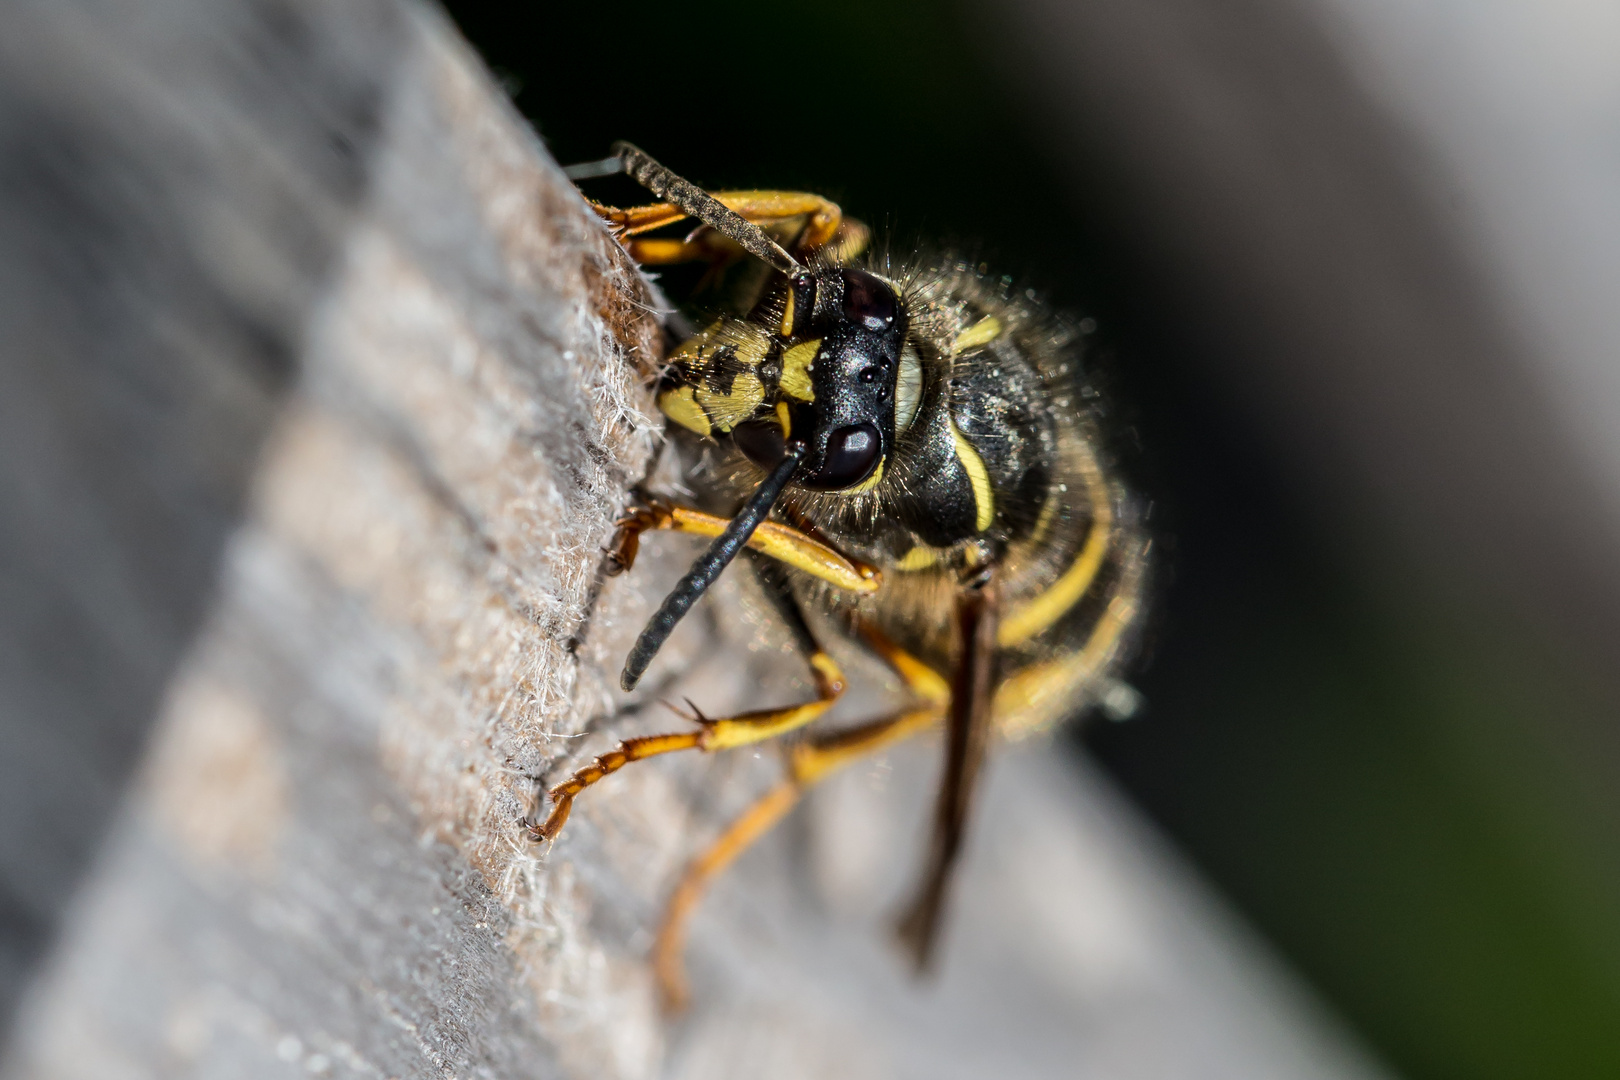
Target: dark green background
{"x":1366,"y":779}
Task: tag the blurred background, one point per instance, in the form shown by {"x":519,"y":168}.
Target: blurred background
{"x":1354,"y":265}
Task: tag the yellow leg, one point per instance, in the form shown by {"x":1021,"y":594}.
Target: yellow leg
{"x":562,"y":796}
{"x":1022,"y":703}
{"x":811,"y":762}
{"x":660,"y":251}
{"x":780,"y":542}
{"x":722,"y":734}
{"x":816,"y":759}
{"x":919,"y":678}
{"x":766,"y":724}
{"x":847,"y":243}
{"x":671,"y":943}
{"x":765,"y":208}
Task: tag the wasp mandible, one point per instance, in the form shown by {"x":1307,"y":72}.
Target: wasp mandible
{"x":911,"y":449}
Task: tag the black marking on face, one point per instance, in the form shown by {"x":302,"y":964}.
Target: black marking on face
{"x":722,"y":370}
{"x":869,"y":302}
{"x":761,"y":442}
{"x":849,"y":426}
{"x":852,"y":453}
{"x":770,"y":372}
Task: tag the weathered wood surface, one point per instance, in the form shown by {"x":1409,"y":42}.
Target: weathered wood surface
{"x":319,"y":868}
{"x":175,"y":183}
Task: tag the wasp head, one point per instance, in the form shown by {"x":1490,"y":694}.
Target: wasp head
{"x":838,"y":382}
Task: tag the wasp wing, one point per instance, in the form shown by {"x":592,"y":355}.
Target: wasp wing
{"x":967,"y":736}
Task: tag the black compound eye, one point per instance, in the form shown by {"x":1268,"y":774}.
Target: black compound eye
{"x":761,"y":442}
{"x":852,"y":453}
{"x":868,"y":301}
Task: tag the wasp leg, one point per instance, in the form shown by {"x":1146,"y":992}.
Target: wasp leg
{"x":810,"y":762}
{"x":822,"y":217}
{"x":922,"y":680}
{"x":725,"y":733}
{"x":846,"y":246}
{"x":704,"y":246}
{"x":562,"y":796}
{"x":738,"y":837}
{"x":1021,"y":704}
{"x":713,"y":734}
{"x":774,"y":539}
{"x":818,"y":224}
{"x":967,"y":738}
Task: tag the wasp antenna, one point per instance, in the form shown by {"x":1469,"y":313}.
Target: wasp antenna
{"x":708,"y":567}
{"x":699,"y":204}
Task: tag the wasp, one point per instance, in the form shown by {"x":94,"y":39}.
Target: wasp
{"x":912,"y":451}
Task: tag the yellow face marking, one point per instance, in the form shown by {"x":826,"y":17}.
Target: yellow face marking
{"x":796,"y":370}
{"x":747,"y":341}
{"x":751,"y":342}
{"x":907,"y":388}
{"x":869,"y":483}
{"x":787,"y":315}
{"x":678,"y":405}
{"x":726,"y":411}
{"x":980,"y":333}
{"x":691,"y":352}
{"x":783,"y":418}
{"x":984,"y":499}
{"x":1048,"y":607}
{"x":918,"y":558}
